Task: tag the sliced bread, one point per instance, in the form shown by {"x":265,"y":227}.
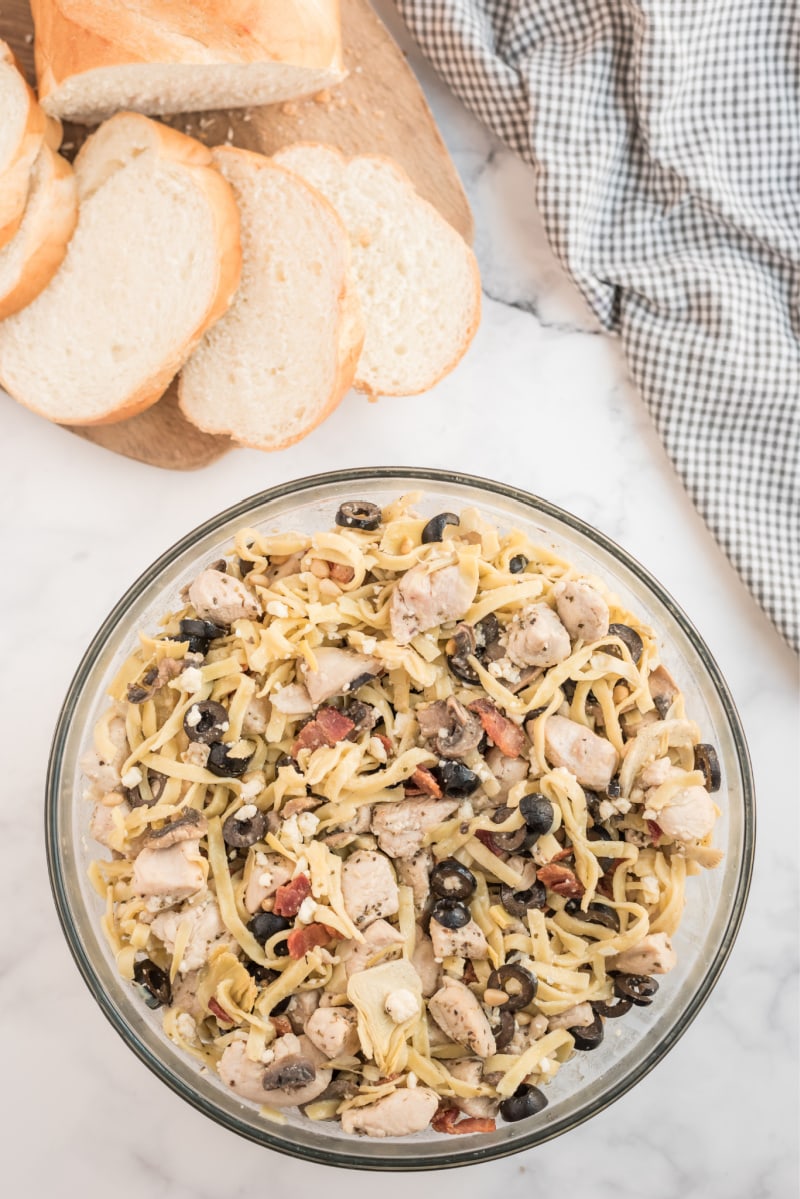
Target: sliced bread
{"x":417,"y":279}
{"x":22,"y":130}
{"x":155,"y":258}
{"x":284,"y":354}
{"x":95,"y":57}
{"x":29,"y":261}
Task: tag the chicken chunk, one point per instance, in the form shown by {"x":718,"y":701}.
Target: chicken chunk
{"x":244,"y":1077}
{"x":652,"y":955}
{"x":536,"y":637}
{"x":334,"y":1031}
{"x":177,"y":872}
{"x":221,"y":598}
{"x":580,"y":1015}
{"x":423,"y":959}
{"x":103,"y":824}
{"x":400,"y":1114}
{"x":424,"y":598}
{"x":415,"y":873}
{"x":583,"y":611}
{"x":207,"y":931}
{"x":380,"y":935}
{"x":265,"y":880}
{"x":507,"y":771}
{"x":688,"y":815}
{"x":401,"y":827}
{"x":591,"y":758}
{"x":465,"y":942}
{"x":470,"y":1070}
{"x":293,"y":700}
{"x":184,"y":995}
{"x":459,"y":1014}
{"x":256,"y":717}
{"x":105,"y":772}
{"x":337,"y":671}
{"x":369,"y":887}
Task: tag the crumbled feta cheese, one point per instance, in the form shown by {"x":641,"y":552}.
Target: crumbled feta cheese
{"x":401,"y":722}
{"x":605,"y":809}
{"x":277,"y":608}
{"x":401,"y":1005}
{"x":377,"y":749}
{"x":305,"y":913}
{"x":411,"y":1079}
{"x":132,"y":777}
{"x":465,"y":810}
{"x":301,"y":867}
{"x":193,"y":716}
{"x":265,"y":878}
{"x":650,"y":888}
{"x":307,"y":823}
{"x":267,"y":1056}
{"x":246,"y":812}
{"x":186,"y":1026}
{"x":261,"y":858}
{"x":190,"y":680}
{"x":252,"y":787}
{"x":368,"y":644}
{"x":290,"y":831}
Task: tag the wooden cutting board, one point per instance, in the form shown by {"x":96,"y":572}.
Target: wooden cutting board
{"x":379,"y":109}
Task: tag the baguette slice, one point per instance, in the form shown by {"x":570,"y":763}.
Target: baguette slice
{"x":417,"y":278}
{"x":155,"y":258}
{"x":22,"y":129}
{"x":95,"y":57}
{"x":29,"y":261}
{"x":284,"y":355}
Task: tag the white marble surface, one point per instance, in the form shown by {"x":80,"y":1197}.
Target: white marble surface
{"x":718,"y":1118}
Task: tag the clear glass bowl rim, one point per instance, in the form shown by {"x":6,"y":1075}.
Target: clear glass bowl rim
{"x":351,"y":1158}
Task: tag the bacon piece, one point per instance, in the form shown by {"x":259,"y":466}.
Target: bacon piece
{"x":560,"y":879}
{"x":507,"y":736}
{"x":281,"y":1024}
{"x":385,"y":742}
{"x":217,"y":1010}
{"x":424,"y":782}
{"x":290,"y":896}
{"x":301,"y":939}
{"x":446,"y":1120}
{"x":328,"y":727}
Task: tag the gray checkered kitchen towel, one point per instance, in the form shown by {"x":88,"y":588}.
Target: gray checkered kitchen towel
{"x":666,"y":140}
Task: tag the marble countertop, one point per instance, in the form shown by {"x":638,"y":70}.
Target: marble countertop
{"x":717,"y":1119}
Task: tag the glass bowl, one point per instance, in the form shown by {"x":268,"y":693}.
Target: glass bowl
{"x":715,"y":899}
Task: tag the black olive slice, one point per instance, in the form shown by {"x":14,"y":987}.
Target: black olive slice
{"x":359,"y":514}
{"x":456,"y":780}
{"x":612,"y":1010}
{"x":451,"y":913}
{"x":266,"y":924}
{"x":590,"y":1036}
{"x":517,"y":982}
{"x":517,"y":903}
{"x":705,"y":759}
{"x":598,"y":833}
{"x":614,"y":789}
{"x":205,"y":721}
{"x":508,"y":841}
{"x":434,"y":529}
{"x":629,"y":637}
{"x":157,"y":784}
{"x":450,"y":879}
{"x":596,"y":913}
{"x":518,"y":564}
{"x":537,"y":812}
{"x":199,"y":634}
{"x":222,"y":765}
{"x":240,"y":834}
{"x":639,"y":988}
{"x":526,"y":1101}
{"x":503,"y":1032}
{"x":154,"y":981}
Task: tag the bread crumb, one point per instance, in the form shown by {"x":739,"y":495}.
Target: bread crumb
{"x":289,"y":110}
{"x":323,"y":97}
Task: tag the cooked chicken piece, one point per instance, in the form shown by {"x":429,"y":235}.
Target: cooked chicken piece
{"x":688,"y":815}
{"x":103,"y":823}
{"x":415,"y":873}
{"x":207,"y":931}
{"x":221,"y":598}
{"x":184,"y":995}
{"x":580,"y":1015}
{"x":423,"y":959}
{"x":104,"y":773}
{"x":178,"y":872}
{"x":265,"y":880}
{"x":300,"y":1008}
{"x":334,"y":1031}
{"x":458,"y":1013}
{"x":652,"y":955}
{"x":337,"y":672}
{"x":507,"y":771}
{"x":469,"y":1069}
{"x":400,"y":1114}
{"x":589,"y":757}
{"x":465,"y":942}
{"x":293,"y":700}
{"x":290,"y":1079}
{"x":536,"y":637}
{"x":244,"y":1077}
{"x":369,"y":887}
{"x":425,"y":597}
{"x":583,"y":611}
{"x":401,"y":827}
{"x":657,"y":772}
{"x":379,"y":935}
{"x":256,"y":717}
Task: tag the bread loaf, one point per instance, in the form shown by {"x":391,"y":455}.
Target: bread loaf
{"x":285,"y":353}
{"x":96,"y":57}
{"x":155,"y":258}
{"x":22,"y":130}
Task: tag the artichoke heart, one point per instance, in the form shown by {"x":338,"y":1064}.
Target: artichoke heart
{"x":226,"y":980}
{"x":380,"y":1037}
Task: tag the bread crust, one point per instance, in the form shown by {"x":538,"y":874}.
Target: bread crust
{"x":48,"y":238}
{"x":15,"y":178}
{"x":74,"y":37}
{"x":196,"y":159}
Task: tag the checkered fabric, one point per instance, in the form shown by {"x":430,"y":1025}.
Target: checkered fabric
{"x":666,"y":140}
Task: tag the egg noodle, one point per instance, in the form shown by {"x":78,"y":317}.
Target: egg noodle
{"x":608,"y":873}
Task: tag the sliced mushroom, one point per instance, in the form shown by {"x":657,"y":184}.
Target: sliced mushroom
{"x":188,"y":827}
{"x":452,"y":730}
{"x":293,"y":1077}
{"x":663,"y":689}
